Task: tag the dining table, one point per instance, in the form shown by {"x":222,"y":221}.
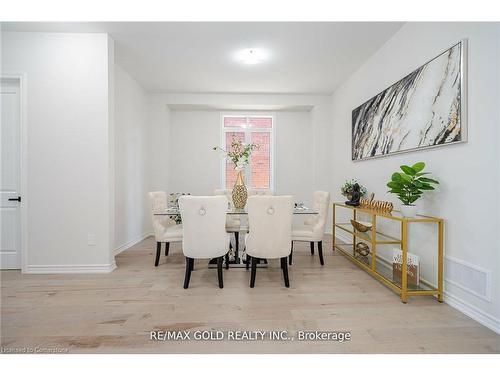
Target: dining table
{"x":237,"y":259}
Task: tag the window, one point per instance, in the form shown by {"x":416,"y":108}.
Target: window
{"x":258,"y":129}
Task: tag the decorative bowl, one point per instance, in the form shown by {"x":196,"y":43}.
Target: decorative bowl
{"x":362,"y":226}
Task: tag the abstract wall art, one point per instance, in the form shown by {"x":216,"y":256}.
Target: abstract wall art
{"x":424,"y":109}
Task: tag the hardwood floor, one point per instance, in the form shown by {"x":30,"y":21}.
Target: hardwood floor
{"x":110,"y":313}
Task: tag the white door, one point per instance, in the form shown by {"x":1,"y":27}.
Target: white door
{"x":10,"y":187}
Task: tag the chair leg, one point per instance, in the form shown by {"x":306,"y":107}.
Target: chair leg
{"x":320,"y":252}
{"x":192,"y":263}
{"x":167,"y":246}
{"x":249,"y":258}
{"x":291,"y":255}
{"x":188,"y":272}
{"x":227,"y":260}
{"x":219,"y":271}
{"x":237,"y":241}
{"x":284,"y":266}
{"x":158,"y":251}
{"x":254,"y":270}
{"x":312,"y":247}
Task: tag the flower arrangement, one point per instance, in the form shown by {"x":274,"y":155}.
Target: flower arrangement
{"x":173,"y":202}
{"x":346,"y":189}
{"x":239,"y":153}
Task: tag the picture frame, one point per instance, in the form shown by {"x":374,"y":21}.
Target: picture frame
{"x":420,"y":83}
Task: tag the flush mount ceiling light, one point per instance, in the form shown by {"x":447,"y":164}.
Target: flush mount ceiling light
{"x":251,"y":56}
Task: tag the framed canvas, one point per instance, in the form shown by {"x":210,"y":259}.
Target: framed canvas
{"x":427,"y":108}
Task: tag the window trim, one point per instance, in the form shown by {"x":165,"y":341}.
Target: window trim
{"x":248,"y":131}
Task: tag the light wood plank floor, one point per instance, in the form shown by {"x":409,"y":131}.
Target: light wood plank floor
{"x":115,"y":312}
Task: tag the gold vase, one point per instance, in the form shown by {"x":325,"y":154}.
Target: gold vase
{"x":240,"y":194}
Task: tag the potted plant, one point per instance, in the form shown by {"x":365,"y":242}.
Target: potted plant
{"x":346,"y":189}
{"x":409,"y":185}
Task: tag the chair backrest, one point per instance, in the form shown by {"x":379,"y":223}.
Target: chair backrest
{"x":321,"y":204}
{"x":158,"y":203}
{"x":252,"y":192}
{"x":270,"y":223}
{"x":204,"y":226}
{"x":226,"y":193}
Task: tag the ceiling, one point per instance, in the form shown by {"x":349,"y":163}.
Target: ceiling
{"x":304,"y":57}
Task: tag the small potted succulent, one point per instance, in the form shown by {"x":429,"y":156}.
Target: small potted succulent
{"x":409,"y":185}
{"x":346,"y":189}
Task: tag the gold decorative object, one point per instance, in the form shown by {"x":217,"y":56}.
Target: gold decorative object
{"x":362,"y":249}
{"x":361,"y":225}
{"x":240,"y":193}
{"x":371,"y":204}
{"x":361,"y":252}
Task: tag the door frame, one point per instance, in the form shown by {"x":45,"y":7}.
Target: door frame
{"x":23,"y":175}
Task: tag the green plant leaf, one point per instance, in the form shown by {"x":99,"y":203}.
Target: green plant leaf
{"x":425,"y":179}
{"x":405,"y":177}
{"x":397,"y":192}
{"x":427,"y":187}
{"x":396,"y":177}
{"x":414,"y":197}
{"x":418,"y":167}
{"x":408,"y":170}
{"x":393,"y":185}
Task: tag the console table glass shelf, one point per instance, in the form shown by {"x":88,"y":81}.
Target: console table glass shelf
{"x":381,"y":268}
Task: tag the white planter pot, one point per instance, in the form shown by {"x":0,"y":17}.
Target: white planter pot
{"x":408,"y":211}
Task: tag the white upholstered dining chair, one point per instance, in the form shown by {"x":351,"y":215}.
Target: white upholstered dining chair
{"x":252,"y":192}
{"x":270,"y":231}
{"x":204,"y":226}
{"x":165,"y":229}
{"x":233,"y":222}
{"x":313,"y":228}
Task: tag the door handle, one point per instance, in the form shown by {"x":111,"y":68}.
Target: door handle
{"x":15,"y":199}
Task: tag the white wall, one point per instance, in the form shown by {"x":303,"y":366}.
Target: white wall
{"x":159,"y":135}
{"x":132,"y":221}
{"x":68,"y":148}
{"x":195,"y":167}
{"x":468,"y":196}
{"x":304,"y":115}
{"x":294,"y":155}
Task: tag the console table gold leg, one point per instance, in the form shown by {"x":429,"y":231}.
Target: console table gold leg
{"x":333,"y":227}
{"x":440,"y":260}
{"x":374,"y":242}
{"x":354,"y":237}
{"x":404,"y":252}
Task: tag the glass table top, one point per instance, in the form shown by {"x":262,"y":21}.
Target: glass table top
{"x":238,"y":211}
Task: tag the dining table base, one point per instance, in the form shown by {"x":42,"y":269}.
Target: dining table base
{"x":237,"y":260}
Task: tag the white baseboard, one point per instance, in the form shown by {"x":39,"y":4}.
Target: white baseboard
{"x":471,"y":311}
{"x":83,"y":268}
{"x":71,"y":268}
{"x":132,"y":242}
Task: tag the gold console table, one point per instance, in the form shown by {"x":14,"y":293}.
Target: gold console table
{"x":379,"y":267}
